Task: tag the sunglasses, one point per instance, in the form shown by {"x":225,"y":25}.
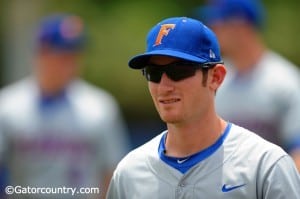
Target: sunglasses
{"x":175,"y":71}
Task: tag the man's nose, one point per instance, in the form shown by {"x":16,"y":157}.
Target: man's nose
{"x":166,"y":83}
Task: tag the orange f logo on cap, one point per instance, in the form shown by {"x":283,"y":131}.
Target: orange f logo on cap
{"x":164,"y":31}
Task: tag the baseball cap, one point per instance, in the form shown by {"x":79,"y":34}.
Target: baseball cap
{"x":251,"y":11}
{"x":61,"y":32}
{"x":180,"y":37}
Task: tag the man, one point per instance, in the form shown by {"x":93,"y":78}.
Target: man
{"x":56,"y":130}
{"x":262,"y":89}
{"x":199,"y":155}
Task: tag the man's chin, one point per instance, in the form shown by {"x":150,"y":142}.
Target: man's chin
{"x":170,"y":119}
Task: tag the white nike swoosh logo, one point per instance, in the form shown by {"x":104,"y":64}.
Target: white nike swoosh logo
{"x":182,"y":161}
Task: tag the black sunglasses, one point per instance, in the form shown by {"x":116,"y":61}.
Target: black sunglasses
{"x":175,"y":71}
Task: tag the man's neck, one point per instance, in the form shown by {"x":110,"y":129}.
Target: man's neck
{"x":185,"y":140}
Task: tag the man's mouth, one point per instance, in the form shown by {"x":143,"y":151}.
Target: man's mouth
{"x":169,"y":101}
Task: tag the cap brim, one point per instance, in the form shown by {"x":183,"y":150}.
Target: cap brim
{"x":140,"y":61}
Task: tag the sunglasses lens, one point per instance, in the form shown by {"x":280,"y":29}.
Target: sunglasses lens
{"x":175,"y":73}
{"x":152,"y":74}
{"x":180,"y":73}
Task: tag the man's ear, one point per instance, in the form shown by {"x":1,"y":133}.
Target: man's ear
{"x":218,"y":74}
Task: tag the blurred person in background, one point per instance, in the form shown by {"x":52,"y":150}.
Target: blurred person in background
{"x":56,"y":130}
{"x":262,"y":89}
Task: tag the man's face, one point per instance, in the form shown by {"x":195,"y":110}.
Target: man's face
{"x":179,"y":101}
{"x":57,"y":69}
{"x":228,"y":33}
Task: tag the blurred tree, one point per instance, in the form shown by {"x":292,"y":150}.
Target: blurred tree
{"x":281,"y":32}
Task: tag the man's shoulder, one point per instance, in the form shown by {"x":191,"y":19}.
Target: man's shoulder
{"x":82,"y":87}
{"x":17,"y":93}
{"x":250,"y":143}
{"x":273,"y":58}
{"x":87,"y":95}
{"x":138,"y":157}
{"x":278,"y":67}
{"x":18,"y":86}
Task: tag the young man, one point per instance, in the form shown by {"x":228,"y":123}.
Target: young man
{"x":199,"y":155}
{"x":261,"y":91}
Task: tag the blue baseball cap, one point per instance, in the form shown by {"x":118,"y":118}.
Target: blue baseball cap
{"x":61,"y":32}
{"x":180,"y":37}
{"x":251,"y":11}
